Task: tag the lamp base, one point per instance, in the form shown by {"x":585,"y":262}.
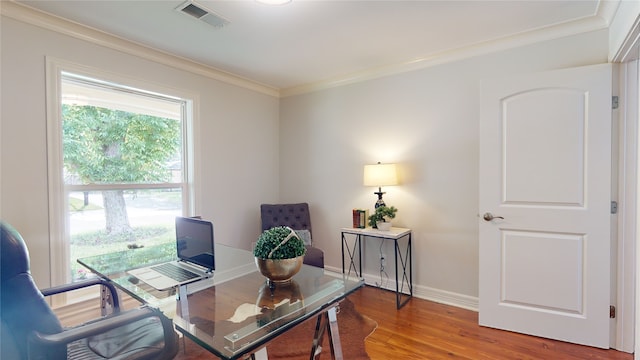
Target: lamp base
{"x":380,"y":202}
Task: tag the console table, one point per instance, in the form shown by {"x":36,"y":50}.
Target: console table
{"x":354,"y":253}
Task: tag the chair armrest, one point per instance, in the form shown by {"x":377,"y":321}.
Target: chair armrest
{"x":314,"y":257}
{"x":83,"y":284}
{"x":39,"y":342}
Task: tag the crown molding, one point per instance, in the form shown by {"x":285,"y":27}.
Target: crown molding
{"x":38,"y":18}
{"x":600,"y":20}
{"x":624,"y":32}
{"x":629,"y":48}
{"x":607,"y":10}
{"x":553,"y":32}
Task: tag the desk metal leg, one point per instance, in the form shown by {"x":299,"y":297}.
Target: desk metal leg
{"x":327,"y":321}
{"x":334,"y":334}
{"x":106,"y":303}
{"x":321,"y":325}
{"x":184,"y":305}
{"x":260,"y":354}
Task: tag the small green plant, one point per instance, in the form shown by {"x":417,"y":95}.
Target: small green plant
{"x":382,"y":213}
{"x":268,"y":245}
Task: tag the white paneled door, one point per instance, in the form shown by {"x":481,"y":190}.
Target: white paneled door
{"x":545,"y":192}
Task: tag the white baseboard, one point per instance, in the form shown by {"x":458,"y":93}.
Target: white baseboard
{"x":422,"y":292}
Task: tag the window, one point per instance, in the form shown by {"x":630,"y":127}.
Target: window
{"x":119,"y":168}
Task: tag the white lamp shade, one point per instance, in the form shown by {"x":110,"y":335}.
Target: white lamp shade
{"x":380,"y":175}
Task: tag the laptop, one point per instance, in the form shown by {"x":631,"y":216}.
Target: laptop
{"x":196,"y":260}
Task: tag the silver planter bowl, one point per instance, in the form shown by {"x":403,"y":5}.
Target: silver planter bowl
{"x":279,"y":271}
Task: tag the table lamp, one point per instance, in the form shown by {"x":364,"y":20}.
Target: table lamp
{"x":380,"y":175}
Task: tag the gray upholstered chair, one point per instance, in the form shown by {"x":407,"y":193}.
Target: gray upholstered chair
{"x":297,"y":217}
{"x":31,"y":330}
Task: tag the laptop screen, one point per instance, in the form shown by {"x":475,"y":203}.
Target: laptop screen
{"x":194,"y":241}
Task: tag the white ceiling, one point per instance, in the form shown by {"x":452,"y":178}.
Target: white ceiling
{"x":311,"y":41}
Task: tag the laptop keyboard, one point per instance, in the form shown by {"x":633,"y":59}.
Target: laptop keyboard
{"x":174,"y":272}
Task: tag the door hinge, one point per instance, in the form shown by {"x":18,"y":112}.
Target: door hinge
{"x":612,"y":312}
{"x":614,"y":102}
{"x":614,"y":207}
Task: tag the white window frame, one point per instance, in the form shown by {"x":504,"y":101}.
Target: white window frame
{"x":58,"y":220}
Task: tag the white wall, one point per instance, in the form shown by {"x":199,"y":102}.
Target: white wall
{"x":238,"y":137}
{"x":427,"y":122}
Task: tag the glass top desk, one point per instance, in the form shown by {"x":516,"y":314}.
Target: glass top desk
{"x":234,"y":313}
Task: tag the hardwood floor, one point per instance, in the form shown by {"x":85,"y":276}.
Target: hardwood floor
{"x":426,"y":330}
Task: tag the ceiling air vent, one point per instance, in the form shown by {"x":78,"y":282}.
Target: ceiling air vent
{"x":201,"y":13}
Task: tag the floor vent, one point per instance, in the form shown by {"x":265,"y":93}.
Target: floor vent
{"x":201,"y":13}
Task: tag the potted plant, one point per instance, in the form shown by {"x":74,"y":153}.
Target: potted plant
{"x":279,"y":253}
{"x":381,"y":218}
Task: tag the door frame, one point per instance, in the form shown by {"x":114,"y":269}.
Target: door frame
{"x":627,"y":325}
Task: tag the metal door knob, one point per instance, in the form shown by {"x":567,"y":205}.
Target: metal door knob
{"x":489,"y":216}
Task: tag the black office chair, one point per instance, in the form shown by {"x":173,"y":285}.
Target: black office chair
{"x":297,"y":217}
{"x":30,"y":329}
